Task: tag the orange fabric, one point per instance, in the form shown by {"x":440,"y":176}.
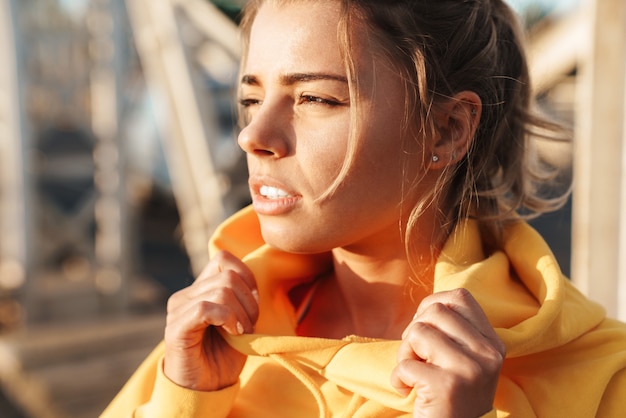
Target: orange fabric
{"x":564,"y":357}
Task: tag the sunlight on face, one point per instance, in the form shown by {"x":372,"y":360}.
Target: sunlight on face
{"x":296,"y":100}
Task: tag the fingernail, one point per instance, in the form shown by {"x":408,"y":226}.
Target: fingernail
{"x":255,"y":295}
{"x":240,"y":329}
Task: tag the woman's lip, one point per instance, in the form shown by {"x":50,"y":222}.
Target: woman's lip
{"x":274,"y":207}
{"x":282,"y":200}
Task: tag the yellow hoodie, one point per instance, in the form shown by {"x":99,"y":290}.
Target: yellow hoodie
{"x":564,"y":358}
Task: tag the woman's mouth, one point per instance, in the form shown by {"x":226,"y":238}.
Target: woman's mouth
{"x":273,"y":200}
{"x":272,"y":193}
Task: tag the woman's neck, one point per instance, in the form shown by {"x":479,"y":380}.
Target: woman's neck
{"x":372,"y":290}
{"x":379,"y":297}
{"x":368,"y":293}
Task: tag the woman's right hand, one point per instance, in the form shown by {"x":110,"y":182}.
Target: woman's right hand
{"x":223,"y":296}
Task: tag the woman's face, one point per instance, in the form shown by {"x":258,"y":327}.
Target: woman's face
{"x":295,"y":97}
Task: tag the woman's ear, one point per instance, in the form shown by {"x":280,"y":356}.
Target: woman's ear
{"x":457,"y":120}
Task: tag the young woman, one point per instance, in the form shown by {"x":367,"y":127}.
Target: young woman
{"x":382,"y":269}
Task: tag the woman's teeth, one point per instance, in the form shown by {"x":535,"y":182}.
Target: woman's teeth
{"x":270,"y":192}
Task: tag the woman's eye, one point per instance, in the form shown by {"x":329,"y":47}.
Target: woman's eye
{"x":248,"y":102}
{"x":308,"y":99}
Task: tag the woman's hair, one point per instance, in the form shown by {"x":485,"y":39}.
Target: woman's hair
{"x":443,"y":47}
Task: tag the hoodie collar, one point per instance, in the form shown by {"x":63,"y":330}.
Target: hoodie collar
{"x":532,"y":306}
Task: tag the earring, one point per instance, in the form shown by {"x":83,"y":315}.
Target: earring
{"x":435,"y":158}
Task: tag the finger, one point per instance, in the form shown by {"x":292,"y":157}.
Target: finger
{"x":224,"y":261}
{"x":429,"y":361}
{"x":448,"y":378}
{"x":458,"y":329}
{"x":462,"y":302}
{"x":210,"y":289}
{"x":432,"y":390}
{"x":427,"y":343}
{"x":410,"y":374}
{"x":219,"y":308}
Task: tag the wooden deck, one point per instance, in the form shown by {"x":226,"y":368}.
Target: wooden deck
{"x":63,"y":371}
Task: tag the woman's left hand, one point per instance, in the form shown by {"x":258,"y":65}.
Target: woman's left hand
{"x":451,"y":356}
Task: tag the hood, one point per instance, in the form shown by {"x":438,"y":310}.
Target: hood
{"x":532,"y":306}
{"x":529,"y":302}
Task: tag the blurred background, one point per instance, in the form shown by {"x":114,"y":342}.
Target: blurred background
{"x":118,"y":159}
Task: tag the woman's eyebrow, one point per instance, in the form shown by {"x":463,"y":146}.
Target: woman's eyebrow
{"x":294,"y":78}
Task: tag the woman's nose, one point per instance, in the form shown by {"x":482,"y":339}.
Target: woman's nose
{"x":266,"y":135}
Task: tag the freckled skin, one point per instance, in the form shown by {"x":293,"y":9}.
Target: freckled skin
{"x":300,"y":145}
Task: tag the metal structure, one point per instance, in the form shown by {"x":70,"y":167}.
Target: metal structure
{"x":591,"y":40}
{"x":78,"y":263}
{"x":15,"y":191}
{"x":112,"y":239}
{"x":58,"y":147}
{"x":74,"y":253}
{"x":180,"y":43}
{"x":191,"y":128}
{"x":592,"y":44}
{"x":599,"y":222}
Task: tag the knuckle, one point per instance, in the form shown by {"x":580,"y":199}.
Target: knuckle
{"x":219,"y":295}
{"x":491,"y":350}
{"x":420,"y":327}
{"x":229,"y":277}
{"x":222,"y":279}
{"x":226,"y":260}
{"x":437,"y":312}
{"x":174,"y":301}
{"x":462,"y":294}
{"x":216,"y":264}
{"x":404,"y":364}
{"x":417,"y":331}
{"x":501,"y":348}
{"x":493,"y":353}
{"x":494,"y":358}
{"x":221,"y":256}
{"x":437,"y":309}
{"x":210,"y":313}
{"x":202,"y":308}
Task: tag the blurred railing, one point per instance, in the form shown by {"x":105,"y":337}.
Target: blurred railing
{"x":589,"y":46}
{"x":579,"y":59}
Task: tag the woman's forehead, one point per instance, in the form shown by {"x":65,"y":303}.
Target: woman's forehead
{"x":288,"y":37}
{"x":305,"y":34}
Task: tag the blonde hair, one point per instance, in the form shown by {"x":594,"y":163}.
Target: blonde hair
{"x":440,"y":48}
